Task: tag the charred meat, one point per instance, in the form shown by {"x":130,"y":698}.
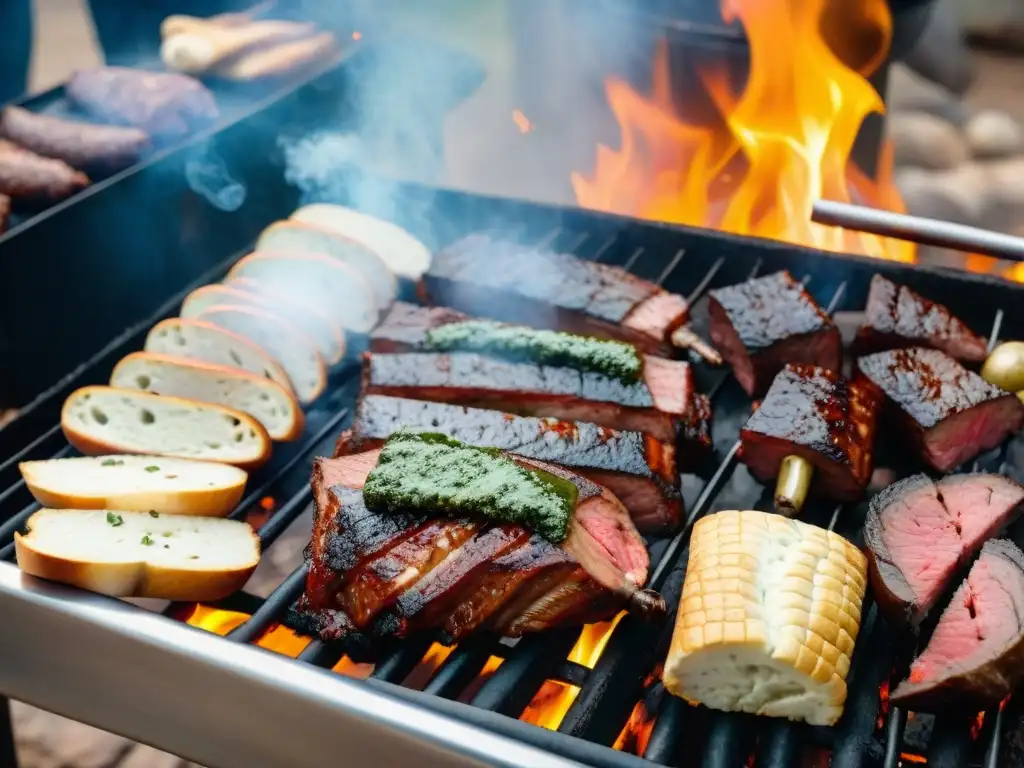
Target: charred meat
{"x":897,"y":317}
{"x":640,"y":470}
{"x":949,"y":414}
{"x":545,"y":289}
{"x":535,"y":373}
{"x":393,"y":573}
{"x":165,"y":105}
{"x":31,"y":180}
{"x":761,"y":325}
{"x":815,"y":414}
{"x":920,"y":532}
{"x":975,"y":657}
{"x":662,"y":404}
{"x":86,"y":146}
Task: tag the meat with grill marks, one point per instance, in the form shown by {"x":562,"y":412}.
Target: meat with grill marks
{"x":897,"y":317}
{"x":545,"y":289}
{"x":949,"y":414}
{"x":381,"y":574}
{"x":761,"y":325}
{"x":640,"y":470}
{"x":814,"y":413}
{"x":663,"y":403}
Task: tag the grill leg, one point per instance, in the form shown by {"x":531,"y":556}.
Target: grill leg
{"x":8,"y":753}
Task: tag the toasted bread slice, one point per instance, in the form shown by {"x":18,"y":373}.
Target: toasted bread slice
{"x":293,"y":237}
{"x":102,"y":420}
{"x":265,"y":400}
{"x":138,"y":483}
{"x":296,"y":352}
{"x":334,"y":288}
{"x":136,"y":554}
{"x":405,"y":255}
{"x":329,"y":339}
{"x":209,"y":343}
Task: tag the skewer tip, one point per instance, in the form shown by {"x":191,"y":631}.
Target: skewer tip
{"x":792,"y":485}
{"x":683,"y":337}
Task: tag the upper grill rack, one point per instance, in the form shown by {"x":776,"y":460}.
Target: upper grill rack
{"x":609,"y":692}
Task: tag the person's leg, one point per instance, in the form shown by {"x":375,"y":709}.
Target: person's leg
{"x":16,"y":48}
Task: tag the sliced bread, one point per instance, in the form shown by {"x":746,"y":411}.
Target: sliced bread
{"x":267,"y":401}
{"x":329,"y":338}
{"x":209,"y":343}
{"x":335,"y":288}
{"x":102,"y":420}
{"x":293,"y":237}
{"x":296,"y":352}
{"x":134,"y":554}
{"x":405,"y":255}
{"x":157,"y":484}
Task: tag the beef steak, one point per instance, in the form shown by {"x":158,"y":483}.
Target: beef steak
{"x":761,"y":325}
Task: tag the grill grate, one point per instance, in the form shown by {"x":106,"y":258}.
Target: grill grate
{"x":609,"y":692}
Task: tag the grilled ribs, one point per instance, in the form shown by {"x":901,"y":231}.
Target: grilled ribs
{"x":545,"y":289}
{"x":381,"y":574}
{"x":949,"y":414}
{"x":761,"y":325}
{"x":813,"y":413}
{"x":897,"y":317}
{"x":638,"y":469}
{"x":663,"y":403}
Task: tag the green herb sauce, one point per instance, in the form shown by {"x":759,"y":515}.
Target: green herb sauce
{"x":433,"y":473}
{"x":614,"y":359}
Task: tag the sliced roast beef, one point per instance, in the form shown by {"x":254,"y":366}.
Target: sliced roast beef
{"x":897,"y":317}
{"x":545,"y":289}
{"x":761,"y":325}
{"x":948,"y":413}
{"x":975,"y":657}
{"x":640,"y":470}
{"x":663,"y":403}
{"x":373,"y":573}
{"x":920,"y":533}
{"x":816,"y":414}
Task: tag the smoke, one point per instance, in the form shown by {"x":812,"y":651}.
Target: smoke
{"x":208,"y":176}
{"x":442,"y":113}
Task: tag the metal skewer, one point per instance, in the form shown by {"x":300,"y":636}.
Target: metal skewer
{"x":917,"y":229}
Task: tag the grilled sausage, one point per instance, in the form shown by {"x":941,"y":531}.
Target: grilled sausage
{"x":33,"y":180}
{"x":81,"y":145}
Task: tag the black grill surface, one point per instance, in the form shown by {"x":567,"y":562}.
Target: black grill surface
{"x":685,"y":261}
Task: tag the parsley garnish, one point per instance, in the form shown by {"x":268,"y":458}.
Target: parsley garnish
{"x":111,"y":463}
{"x":154,"y":513}
{"x":114,"y":520}
{"x":147,"y":541}
{"x":152,"y":468}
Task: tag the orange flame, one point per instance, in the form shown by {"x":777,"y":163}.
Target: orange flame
{"x":781,"y":144}
{"x":552,"y":701}
{"x":522,"y":121}
{"x":637,"y":731}
{"x":277,"y":638}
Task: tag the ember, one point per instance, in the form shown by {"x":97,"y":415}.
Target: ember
{"x":782,"y":143}
{"x":552,"y":701}
{"x":277,"y":638}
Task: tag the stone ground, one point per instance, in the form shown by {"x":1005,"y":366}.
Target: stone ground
{"x":972,"y":170}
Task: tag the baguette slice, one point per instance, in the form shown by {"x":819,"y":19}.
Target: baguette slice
{"x":334,"y":288}
{"x":102,"y":420}
{"x":155,"y":484}
{"x":405,"y":255}
{"x":133,"y":554}
{"x":208,"y":343}
{"x":330,"y":340}
{"x":293,"y":237}
{"x":296,"y":352}
{"x":267,"y":401}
